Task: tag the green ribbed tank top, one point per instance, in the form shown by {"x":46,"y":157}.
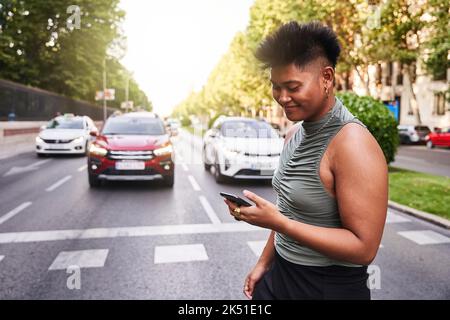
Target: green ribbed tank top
{"x":301,"y":195}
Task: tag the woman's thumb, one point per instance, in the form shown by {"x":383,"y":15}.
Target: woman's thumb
{"x":256,"y":199}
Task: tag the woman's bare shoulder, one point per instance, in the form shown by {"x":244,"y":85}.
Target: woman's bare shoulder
{"x":355,"y":143}
{"x":292,"y":130}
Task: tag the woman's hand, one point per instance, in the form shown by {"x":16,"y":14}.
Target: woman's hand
{"x":252,"y":278}
{"x":264,"y":214}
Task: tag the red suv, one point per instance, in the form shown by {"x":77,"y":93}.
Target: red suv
{"x":132,"y":146}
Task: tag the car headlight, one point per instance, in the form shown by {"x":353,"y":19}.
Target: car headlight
{"x":39,"y":140}
{"x":230,"y":153}
{"x":78,"y":140}
{"x":163,"y":151}
{"x":98,"y":151}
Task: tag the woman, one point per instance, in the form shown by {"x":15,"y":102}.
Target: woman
{"x":331,"y":182}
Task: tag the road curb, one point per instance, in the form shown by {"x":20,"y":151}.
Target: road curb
{"x":442,"y":222}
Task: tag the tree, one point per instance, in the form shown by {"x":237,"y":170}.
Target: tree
{"x":438,"y":43}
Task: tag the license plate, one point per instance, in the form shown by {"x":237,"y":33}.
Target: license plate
{"x":55,"y":146}
{"x":130,"y":165}
{"x":261,"y":165}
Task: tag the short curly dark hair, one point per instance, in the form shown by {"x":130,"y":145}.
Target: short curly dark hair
{"x":299,"y":44}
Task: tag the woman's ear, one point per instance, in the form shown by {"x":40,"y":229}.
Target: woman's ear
{"x":328,"y":76}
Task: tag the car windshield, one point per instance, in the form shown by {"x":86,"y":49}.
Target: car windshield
{"x":248,"y":129}
{"x":422,"y":128}
{"x":134,"y":126}
{"x":65,"y":123}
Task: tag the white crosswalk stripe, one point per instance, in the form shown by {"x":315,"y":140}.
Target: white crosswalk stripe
{"x":257,"y":246}
{"x":180,"y":253}
{"x":423,"y":237}
{"x":1,"y":258}
{"x":81,"y":259}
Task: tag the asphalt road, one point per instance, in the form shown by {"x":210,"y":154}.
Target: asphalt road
{"x":418,"y":158}
{"x":59,"y":239}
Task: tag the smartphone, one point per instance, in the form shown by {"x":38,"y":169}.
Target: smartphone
{"x":233,"y":198}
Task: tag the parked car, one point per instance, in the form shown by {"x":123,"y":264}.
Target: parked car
{"x":173,"y":126}
{"x":132,"y":146}
{"x":65,"y":134}
{"x":241,"y":148}
{"x":410,"y":134}
{"x":441,"y":137}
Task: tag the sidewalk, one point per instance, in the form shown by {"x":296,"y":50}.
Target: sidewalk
{"x":429,"y":217}
{"x":18,"y":137}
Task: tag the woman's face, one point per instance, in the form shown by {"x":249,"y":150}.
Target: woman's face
{"x":300,"y":92}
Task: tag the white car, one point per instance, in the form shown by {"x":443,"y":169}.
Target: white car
{"x":241,"y":148}
{"x":67,"y":134}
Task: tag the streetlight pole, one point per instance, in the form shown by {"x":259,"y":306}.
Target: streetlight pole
{"x":126,"y":91}
{"x":104,"y":90}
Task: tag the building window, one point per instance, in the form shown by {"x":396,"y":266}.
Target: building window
{"x":389,"y":70}
{"x":439,"y":103}
{"x":400,"y":76}
{"x":378,"y":74}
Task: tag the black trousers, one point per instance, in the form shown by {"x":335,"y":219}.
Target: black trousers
{"x":286,"y":281}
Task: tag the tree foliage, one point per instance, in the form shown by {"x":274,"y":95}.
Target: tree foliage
{"x":39,"y":48}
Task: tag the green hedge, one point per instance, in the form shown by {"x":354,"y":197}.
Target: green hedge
{"x":378,"y":119}
{"x":185,"y":121}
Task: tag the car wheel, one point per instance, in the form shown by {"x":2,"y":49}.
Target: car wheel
{"x":169,"y":181}
{"x":86,"y":148}
{"x":220,"y":178}
{"x":430,"y":144}
{"x":205,"y":165}
{"x":94,"y":182}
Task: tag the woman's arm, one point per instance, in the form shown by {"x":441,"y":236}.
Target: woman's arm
{"x":361,"y":184}
{"x":268,"y":253}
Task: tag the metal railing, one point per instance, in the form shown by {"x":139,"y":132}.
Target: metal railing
{"x":25,"y":103}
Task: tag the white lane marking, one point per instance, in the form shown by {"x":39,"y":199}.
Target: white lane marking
{"x":178,"y":156}
{"x":82,"y":168}
{"x":38,"y":163}
{"x":381,"y":246}
{"x":81,"y":259}
{"x":257,"y":246}
{"x":209,"y":210}
{"x":13,"y":212}
{"x":148,"y":231}
{"x":58,"y":183}
{"x":194,"y":183}
{"x":422,"y":237}
{"x":395,"y":218}
{"x":1,"y":258}
{"x":31,"y":167}
{"x":180,"y":253}
{"x":185,"y":167}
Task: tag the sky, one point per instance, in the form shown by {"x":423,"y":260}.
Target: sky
{"x":173,"y":45}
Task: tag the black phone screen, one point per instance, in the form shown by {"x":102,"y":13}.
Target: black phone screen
{"x":233,"y":198}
